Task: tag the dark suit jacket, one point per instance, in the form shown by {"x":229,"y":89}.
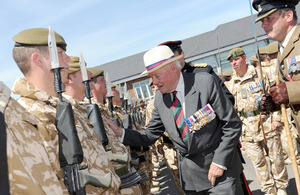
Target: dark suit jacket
{"x":209,"y":69}
{"x":216,"y":142}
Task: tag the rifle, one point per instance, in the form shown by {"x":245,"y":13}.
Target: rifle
{"x":95,"y":118}
{"x":127,"y":122}
{"x":4,"y":181}
{"x":70,"y":149}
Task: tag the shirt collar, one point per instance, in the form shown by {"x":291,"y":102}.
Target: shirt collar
{"x":180,"y":85}
{"x":285,"y":41}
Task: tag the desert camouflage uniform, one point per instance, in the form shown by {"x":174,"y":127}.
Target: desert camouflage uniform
{"x":43,"y":107}
{"x":252,"y":135}
{"x":170,"y":153}
{"x":29,"y":167}
{"x":114,"y":143}
{"x":271,"y":72}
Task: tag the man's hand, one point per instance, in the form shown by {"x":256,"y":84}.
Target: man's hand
{"x":279,"y":94}
{"x":160,"y":149}
{"x":267,"y":104}
{"x":214,"y":172}
{"x":276,"y":125}
{"x":117,"y":130}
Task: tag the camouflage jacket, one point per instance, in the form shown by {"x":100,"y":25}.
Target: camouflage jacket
{"x":114,"y":143}
{"x":43,"y":107}
{"x":30,"y":170}
{"x":246,"y":90}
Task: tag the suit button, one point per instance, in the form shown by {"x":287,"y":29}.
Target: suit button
{"x":282,"y":67}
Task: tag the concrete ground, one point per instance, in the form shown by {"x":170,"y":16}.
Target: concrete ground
{"x":167,"y":185}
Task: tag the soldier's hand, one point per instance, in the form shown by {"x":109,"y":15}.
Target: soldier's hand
{"x":279,"y":93}
{"x":117,"y":130}
{"x":267,"y":104}
{"x":213,"y":173}
{"x":276,"y":125}
{"x":160,"y":149}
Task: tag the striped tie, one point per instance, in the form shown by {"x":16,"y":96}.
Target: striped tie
{"x":179,"y":117}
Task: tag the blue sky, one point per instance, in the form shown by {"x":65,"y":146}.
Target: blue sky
{"x":107,"y":30}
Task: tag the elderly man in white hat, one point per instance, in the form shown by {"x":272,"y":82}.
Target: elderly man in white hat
{"x":200,"y":120}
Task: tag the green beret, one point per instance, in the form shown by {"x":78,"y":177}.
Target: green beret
{"x":272,"y":48}
{"x":235,"y":53}
{"x":150,"y":82}
{"x":96,"y":72}
{"x":74,"y":64}
{"x":37,"y":37}
{"x":262,"y":50}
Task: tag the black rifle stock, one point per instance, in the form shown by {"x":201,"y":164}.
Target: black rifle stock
{"x":4,"y":182}
{"x":71,"y":154}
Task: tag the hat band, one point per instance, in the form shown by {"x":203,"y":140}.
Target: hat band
{"x":152,"y":66}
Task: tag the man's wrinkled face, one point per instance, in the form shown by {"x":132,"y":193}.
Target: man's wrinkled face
{"x":165,"y":78}
{"x":275,"y":25}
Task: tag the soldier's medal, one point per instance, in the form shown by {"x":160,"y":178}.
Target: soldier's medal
{"x":244,"y":93}
{"x":200,"y":118}
{"x":293,"y":65}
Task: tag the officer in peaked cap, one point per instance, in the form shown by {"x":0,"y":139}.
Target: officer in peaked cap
{"x":267,"y":7}
{"x":279,"y":20}
{"x":175,"y":46}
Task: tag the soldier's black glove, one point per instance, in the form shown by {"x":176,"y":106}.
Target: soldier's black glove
{"x":267,"y":103}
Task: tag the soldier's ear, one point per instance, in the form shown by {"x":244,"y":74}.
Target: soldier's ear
{"x":289,"y":15}
{"x":37,"y":59}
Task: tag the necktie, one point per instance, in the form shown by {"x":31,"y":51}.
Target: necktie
{"x":179,"y":117}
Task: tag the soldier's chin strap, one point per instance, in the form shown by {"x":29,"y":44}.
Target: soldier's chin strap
{"x":4,"y":183}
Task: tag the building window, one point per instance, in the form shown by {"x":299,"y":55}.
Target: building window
{"x":221,"y":58}
{"x":143,"y":90}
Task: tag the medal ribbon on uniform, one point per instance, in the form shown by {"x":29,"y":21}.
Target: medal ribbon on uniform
{"x":200,"y":118}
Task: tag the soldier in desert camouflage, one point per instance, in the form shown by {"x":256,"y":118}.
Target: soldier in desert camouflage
{"x":75,"y":94}
{"x":40,"y":99}
{"x":29,"y":167}
{"x":246,"y":86}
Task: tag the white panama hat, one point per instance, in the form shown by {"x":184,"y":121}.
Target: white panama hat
{"x":158,"y":57}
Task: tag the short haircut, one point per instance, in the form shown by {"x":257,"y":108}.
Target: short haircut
{"x":22,"y":56}
{"x":284,"y":10}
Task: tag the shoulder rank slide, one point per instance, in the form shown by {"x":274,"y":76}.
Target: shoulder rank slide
{"x":200,"y":118}
{"x":202,"y":65}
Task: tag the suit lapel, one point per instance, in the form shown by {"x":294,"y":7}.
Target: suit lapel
{"x":191,"y":100}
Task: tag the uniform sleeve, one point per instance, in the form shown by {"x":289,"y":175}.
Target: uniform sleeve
{"x":145,"y":137}
{"x":231,"y":124}
{"x":293,"y":92}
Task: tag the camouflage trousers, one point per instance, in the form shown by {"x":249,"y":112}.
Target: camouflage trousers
{"x":170,"y":155}
{"x":277,"y":176}
{"x":285,"y":145}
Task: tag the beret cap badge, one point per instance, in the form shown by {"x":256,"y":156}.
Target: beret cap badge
{"x":259,"y":8}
